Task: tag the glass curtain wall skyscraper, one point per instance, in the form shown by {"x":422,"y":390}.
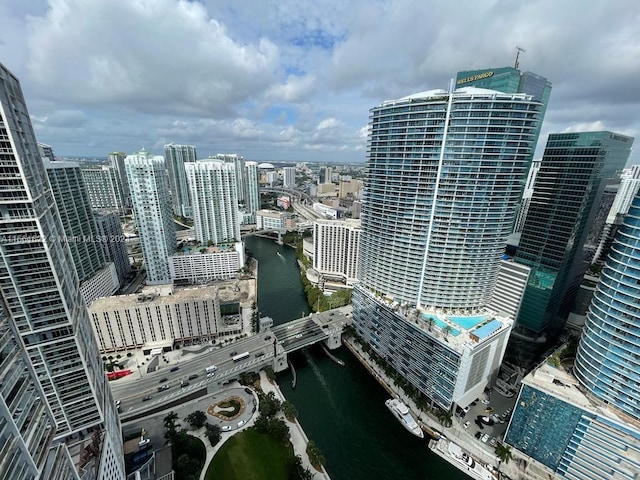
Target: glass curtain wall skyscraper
{"x":608,"y":358}
{"x":445,"y":171}
{"x":175,"y":157}
{"x":571,"y":177}
{"x":46,"y":314}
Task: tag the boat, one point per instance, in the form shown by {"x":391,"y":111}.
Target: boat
{"x":462,"y":460}
{"x":402,"y":413}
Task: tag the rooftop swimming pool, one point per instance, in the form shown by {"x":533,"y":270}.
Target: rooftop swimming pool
{"x":468,"y":322}
{"x":440,"y":324}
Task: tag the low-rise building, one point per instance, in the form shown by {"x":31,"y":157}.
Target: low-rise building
{"x":272,"y":220}
{"x":197,"y":265}
{"x":170,"y":315}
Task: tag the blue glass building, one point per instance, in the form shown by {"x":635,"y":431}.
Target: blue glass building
{"x":570,"y":181}
{"x":608,"y":358}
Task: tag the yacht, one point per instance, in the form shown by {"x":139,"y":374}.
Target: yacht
{"x":401,"y":412}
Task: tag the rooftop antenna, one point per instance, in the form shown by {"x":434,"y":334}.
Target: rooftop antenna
{"x":518,"y":50}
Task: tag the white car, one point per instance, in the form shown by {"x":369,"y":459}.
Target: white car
{"x":466,"y":424}
{"x":484,"y":438}
{"x":225,"y":428}
{"x":241,"y":422}
{"x":485,"y":401}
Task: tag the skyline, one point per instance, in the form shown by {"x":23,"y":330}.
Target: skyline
{"x":273,"y":81}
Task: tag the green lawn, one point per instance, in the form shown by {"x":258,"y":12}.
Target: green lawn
{"x":250,"y":455}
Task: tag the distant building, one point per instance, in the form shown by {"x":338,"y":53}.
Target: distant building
{"x":526,"y":196}
{"x":165,"y":316}
{"x":326,"y":211}
{"x":175,"y":156}
{"x":336,"y":247}
{"x":506,"y":298}
{"x":289,"y":177}
{"x":46,"y":152}
{"x":116,"y":160}
{"x":153,"y":215}
{"x":349,"y":188}
{"x":272,"y":178}
{"x":283,"y":202}
{"x":252,"y":197}
{"x":113,"y":242}
{"x":198,"y":265}
{"x":214,"y":198}
{"x":325,"y":175}
{"x":106,"y":193}
{"x":272,"y":220}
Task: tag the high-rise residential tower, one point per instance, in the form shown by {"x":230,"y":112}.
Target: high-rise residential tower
{"x":252,"y":199}
{"x":152,"y":210}
{"x":445,"y":171}
{"x":572,"y":176}
{"x":113,"y":242}
{"x":98,"y":278}
{"x":106,"y":192}
{"x":175,"y":157}
{"x":46,"y":151}
{"x":289,"y":177}
{"x":116,"y":160}
{"x":47,"y":320}
{"x":215,"y":200}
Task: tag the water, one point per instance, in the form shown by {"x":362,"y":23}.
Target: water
{"x":340,"y":408}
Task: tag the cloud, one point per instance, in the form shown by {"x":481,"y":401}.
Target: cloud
{"x":63,"y":119}
{"x":150,"y":55}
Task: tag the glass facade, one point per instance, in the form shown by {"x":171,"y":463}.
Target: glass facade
{"x":175,"y":157}
{"x":444,"y":175}
{"x":608,"y":358}
{"x":568,"y":183}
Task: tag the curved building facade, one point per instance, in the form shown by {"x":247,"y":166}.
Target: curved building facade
{"x":445,"y":174}
{"x":608,"y":357}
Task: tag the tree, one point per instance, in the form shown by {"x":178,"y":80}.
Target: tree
{"x":289,"y":411}
{"x":196,"y":419}
{"x":271,"y":375}
{"x":269,"y":405}
{"x":296,"y":471}
{"x":188,"y":467}
{"x":213,"y":434}
{"x":278,"y":430}
{"x":315,"y":455}
{"x":170,"y":426}
{"x":503,"y":452}
{"x":447,"y":330}
{"x":445,"y":417}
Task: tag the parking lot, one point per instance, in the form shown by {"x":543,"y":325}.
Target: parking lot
{"x":496,"y":411}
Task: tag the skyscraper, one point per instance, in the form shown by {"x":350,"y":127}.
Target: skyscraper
{"x":444,"y":173}
{"x":289,"y":177}
{"x":175,"y":157}
{"x":215,"y":200}
{"x":116,"y":159}
{"x":98,"y":278}
{"x":106,"y":192}
{"x":608,"y":358}
{"x":46,"y":151}
{"x":112,"y":241}
{"x":581,"y":418}
{"x":252,"y":200}
{"x":47,"y":319}
{"x":152,"y":209}
{"x":571,"y":178}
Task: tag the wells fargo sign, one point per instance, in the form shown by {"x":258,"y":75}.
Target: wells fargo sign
{"x":479,"y":76}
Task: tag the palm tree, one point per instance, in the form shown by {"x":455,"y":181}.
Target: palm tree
{"x":503,"y":452}
{"x":170,"y":426}
{"x":447,"y":330}
{"x":445,"y":417}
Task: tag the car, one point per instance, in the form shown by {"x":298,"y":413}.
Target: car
{"x":234,"y":353}
{"x":225,"y":428}
{"x":163,"y":388}
{"x":210,"y":374}
{"x":162,"y":380}
{"x":194,"y":376}
{"x":174,"y":369}
{"x":493,"y":441}
{"x":147,"y":398}
{"x":488,"y":410}
{"x":248,"y":390}
{"x":268,"y":337}
{"x":466,"y":409}
{"x":485,"y":401}
{"x":466,"y":424}
{"x":478,"y":435}
{"x":241,"y":422}
{"x":259,"y":354}
{"x":299,"y":335}
{"x":143,"y":442}
{"x":184,"y":384}
{"x":117,"y":403}
{"x":484,"y":438}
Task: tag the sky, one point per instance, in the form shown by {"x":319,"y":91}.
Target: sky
{"x":293,"y":80}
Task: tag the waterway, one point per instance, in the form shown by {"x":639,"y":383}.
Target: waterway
{"x":340,"y":408}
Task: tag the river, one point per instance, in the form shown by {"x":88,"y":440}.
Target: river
{"x":340,"y":408}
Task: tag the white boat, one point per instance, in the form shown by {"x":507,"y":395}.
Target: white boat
{"x":462,"y":460}
{"x":402,"y":413}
